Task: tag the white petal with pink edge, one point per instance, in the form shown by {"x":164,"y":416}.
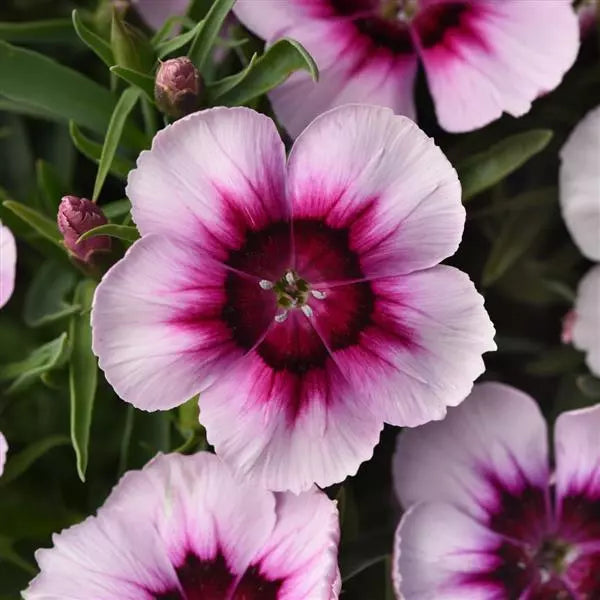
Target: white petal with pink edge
{"x":586,"y":323}
{"x":577,"y":449}
{"x":497,"y":434}
{"x":580,"y":184}
{"x":501,"y":57}
{"x":8,"y":264}
{"x":209,"y":177}
{"x":3,"y":452}
{"x":363,"y":168}
{"x":422,"y":348}
{"x":288,"y":430}
{"x":437,"y":547}
{"x":157,"y":323}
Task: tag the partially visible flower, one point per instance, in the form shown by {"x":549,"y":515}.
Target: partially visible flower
{"x":481,"y":57}
{"x":580,"y":184}
{"x":156,"y":12}
{"x":303,"y":300}
{"x":586,"y":323}
{"x":77,"y":216}
{"x":486,"y":516}
{"x":3,"y":451}
{"x":8,"y":264}
{"x":184,"y":529}
{"x":177,"y":87}
{"x":588,"y":12}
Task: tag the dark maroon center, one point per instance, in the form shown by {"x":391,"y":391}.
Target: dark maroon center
{"x":320,"y":255}
{"x":212,"y":580}
{"x":438,"y":20}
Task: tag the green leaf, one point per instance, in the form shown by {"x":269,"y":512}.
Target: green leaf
{"x":119,"y":167}
{"x":18,"y":463}
{"x":208,"y":32}
{"x":127,"y":233}
{"x":42,"y":359}
{"x":43,"y":225}
{"x":50,"y":186}
{"x":30,"y":77}
{"x":118,"y":208}
{"x":483,"y":170}
{"x":542,"y":197}
{"x":45,"y":297}
{"x":144,"y":82}
{"x":271,"y":69}
{"x":124,"y":106}
{"x":165,"y":48}
{"x":554,"y":361}
{"x":83,"y":375}
{"x":589,"y":386}
{"x":130,"y":47}
{"x":516,"y":237}
{"x":8,"y":554}
{"x":27,"y":110}
{"x":221,"y":87}
{"x":165,"y":31}
{"x":93,"y":41}
{"x":38,"y":32}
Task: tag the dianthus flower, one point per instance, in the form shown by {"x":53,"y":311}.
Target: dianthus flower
{"x":8,"y":263}
{"x":184,"y":528}
{"x":480,"y":57}
{"x":303,"y":301}
{"x":488,"y":517}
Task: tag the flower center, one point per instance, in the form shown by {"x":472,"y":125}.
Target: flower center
{"x":399,"y":9}
{"x":552,"y":557}
{"x":291,"y":291}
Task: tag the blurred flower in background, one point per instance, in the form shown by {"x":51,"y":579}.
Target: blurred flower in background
{"x":486,"y":515}
{"x":580,"y":205}
{"x":184,"y":528}
{"x":303,"y":335}
{"x":3,"y":451}
{"x":8,"y":264}
{"x":481,"y":58}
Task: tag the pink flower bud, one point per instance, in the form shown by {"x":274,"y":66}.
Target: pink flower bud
{"x":178,"y":87}
{"x":75,"y":217}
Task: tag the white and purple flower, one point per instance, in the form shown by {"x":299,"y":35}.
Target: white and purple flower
{"x":3,"y":451}
{"x":302,"y":300}
{"x":488,"y":516}
{"x":8,"y":264}
{"x":184,"y":528}
{"x":481,"y":57}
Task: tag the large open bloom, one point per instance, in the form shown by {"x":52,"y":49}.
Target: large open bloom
{"x":302,"y":301}
{"x":488,"y":518}
{"x":184,"y":529}
{"x":8,"y":264}
{"x":481,"y":57}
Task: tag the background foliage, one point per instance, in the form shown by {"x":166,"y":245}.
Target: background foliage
{"x":76,"y":109}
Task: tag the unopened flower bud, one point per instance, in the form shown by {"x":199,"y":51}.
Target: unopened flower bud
{"x":77,"y":216}
{"x":178,"y":87}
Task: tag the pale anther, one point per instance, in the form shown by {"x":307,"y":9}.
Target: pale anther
{"x":281,"y":317}
{"x":290,"y":278}
{"x":307,"y":310}
{"x":265,"y":284}
{"x":318,"y":294}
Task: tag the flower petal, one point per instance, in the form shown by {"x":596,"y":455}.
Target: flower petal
{"x":210,"y":178}
{"x":158,"y":325}
{"x":285,"y":428}
{"x":488,"y":457}
{"x":378,"y":176}
{"x":421,"y":345}
{"x":577,"y":443}
{"x":442,"y":553}
{"x":8,"y":263}
{"x":156,"y":12}
{"x":587,"y":318}
{"x":493,"y":56}
{"x":3,"y":452}
{"x":580,"y":184}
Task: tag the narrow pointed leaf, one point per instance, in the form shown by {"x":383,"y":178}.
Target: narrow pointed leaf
{"x":50,"y":186}
{"x":127,"y":233}
{"x":38,"y":81}
{"x":115,"y":129}
{"x":278,"y":62}
{"x":144,"y":82}
{"x":208,"y":32}
{"x":179,"y":41}
{"x":83,"y":375}
{"x":20,"y":462}
{"x":483,"y":170}
{"x":38,"y":32}
{"x":118,"y":208}
{"x":119,"y":166}
{"x":221,"y":87}
{"x":93,"y":41}
{"x":38,"y":222}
